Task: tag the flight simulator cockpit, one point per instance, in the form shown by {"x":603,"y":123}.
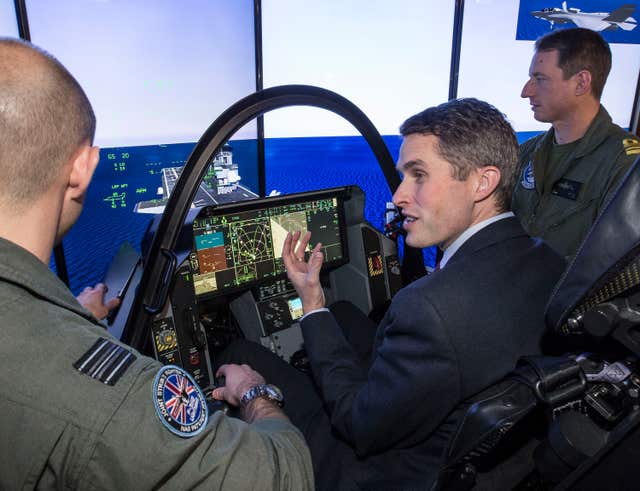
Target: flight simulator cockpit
{"x":231,"y":281}
{"x":213,"y":274}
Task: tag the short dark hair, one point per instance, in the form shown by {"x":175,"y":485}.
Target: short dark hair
{"x":580,"y":49}
{"x":471,"y":134}
{"x":45,"y":117}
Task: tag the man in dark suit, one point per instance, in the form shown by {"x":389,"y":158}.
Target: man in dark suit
{"x":385,"y":417}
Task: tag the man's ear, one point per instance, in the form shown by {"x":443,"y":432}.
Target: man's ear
{"x":83,"y":165}
{"x":583,"y":82}
{"x":488,"y":179}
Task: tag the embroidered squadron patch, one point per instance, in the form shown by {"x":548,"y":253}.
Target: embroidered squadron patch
{"x":179,"y":402}
{"x":631,"y":146}
{"x":528,"y":180}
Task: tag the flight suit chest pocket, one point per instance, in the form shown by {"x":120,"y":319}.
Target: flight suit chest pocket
{"x":564,"y":209}
{"x":566,"y":222}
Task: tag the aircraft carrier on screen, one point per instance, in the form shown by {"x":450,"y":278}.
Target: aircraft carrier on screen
{"x":221,"y":184}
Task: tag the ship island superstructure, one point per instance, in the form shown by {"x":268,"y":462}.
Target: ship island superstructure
{"x":220,"y":184}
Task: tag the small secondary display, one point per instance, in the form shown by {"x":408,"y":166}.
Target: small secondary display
{"x":295,"y":307}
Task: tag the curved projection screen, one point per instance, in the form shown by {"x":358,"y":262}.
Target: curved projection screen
{"x":391,"y":59}
{"x":157,"y":76}
{"x":154,"y":74}
{"x":8,"y":21}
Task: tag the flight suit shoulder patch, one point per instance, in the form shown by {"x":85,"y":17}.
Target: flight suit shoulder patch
{"x":105,"y":361}
{"x":631,"y":146}
{"x":528,"y":180}
{"x":179,"y":402}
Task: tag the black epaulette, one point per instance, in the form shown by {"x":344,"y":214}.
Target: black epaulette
{"x":105,"y":361}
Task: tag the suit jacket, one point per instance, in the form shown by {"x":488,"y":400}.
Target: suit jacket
{"x":444,"y":338}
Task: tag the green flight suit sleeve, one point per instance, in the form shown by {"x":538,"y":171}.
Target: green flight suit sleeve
{"x":135,"y":451}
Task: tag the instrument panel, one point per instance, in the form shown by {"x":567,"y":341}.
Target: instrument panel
{"x":229,"y":281}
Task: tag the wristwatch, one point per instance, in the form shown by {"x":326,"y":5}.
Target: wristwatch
{"x":265,"y":391}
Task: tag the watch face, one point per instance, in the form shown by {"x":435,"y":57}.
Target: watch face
{"x":274,"y":392}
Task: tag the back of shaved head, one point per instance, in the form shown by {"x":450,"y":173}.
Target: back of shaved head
{"x":45,"y":117}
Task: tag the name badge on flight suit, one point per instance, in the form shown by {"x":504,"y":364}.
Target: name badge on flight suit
{"x":179,"y":402}
{"x":528,"y":180}
{"x":566,"y":188}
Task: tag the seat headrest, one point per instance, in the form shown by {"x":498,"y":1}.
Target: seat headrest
{"x":608,"y":260}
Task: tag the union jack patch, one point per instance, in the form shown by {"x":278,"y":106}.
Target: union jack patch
{"x":179,"y":402}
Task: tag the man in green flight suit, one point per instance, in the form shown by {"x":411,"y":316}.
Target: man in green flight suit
{"x":79,"y":409}
{"x":567,"y":173}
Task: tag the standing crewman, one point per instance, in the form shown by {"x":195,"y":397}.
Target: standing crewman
{"x":567,"y":174}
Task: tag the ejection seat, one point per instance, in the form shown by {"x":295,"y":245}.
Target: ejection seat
{"x":572,"y":418}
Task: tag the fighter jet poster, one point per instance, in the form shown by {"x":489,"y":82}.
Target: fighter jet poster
{"x":616,"y":20}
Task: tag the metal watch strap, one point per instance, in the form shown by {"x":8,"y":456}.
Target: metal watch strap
{"x":264,"y":391}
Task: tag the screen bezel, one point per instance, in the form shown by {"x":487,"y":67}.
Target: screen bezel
{"x":340,"y":194}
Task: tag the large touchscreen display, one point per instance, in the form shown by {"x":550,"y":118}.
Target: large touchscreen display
{"x":234,"y":249}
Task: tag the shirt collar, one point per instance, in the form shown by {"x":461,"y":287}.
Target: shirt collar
{"x":467,"y":234}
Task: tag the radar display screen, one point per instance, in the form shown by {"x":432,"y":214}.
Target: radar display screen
{"x":237,"y":248}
